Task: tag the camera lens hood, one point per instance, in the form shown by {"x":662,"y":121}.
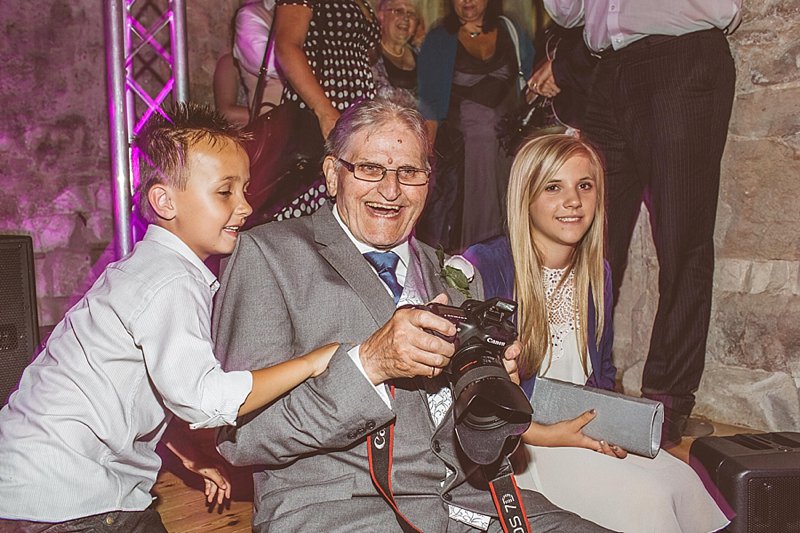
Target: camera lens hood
{"x":490,"y":415}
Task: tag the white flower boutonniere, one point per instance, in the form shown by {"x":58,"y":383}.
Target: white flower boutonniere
{"x":456,"y":272}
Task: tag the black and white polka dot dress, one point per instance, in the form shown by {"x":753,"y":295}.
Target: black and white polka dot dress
{"x":338,"y":44}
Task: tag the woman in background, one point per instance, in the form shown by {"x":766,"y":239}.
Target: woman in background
{"x":470,"y":71}
{"x":324,"y":49}
{"x":556,"y":223}
{"x":395,"y":71}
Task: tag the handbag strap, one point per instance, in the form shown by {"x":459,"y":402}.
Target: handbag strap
{"x":261,"y":84}
{"x":512,"y":32}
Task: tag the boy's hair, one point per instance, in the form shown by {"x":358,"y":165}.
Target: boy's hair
{"x":534,"y":166}
{"x":164,"y":143}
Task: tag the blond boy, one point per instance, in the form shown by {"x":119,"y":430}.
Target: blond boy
{"x":77,"y":440}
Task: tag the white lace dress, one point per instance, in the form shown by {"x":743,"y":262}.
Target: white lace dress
{"x":635,"y":494}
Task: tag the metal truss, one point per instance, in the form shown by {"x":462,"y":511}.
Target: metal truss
{"x":146,"y":64}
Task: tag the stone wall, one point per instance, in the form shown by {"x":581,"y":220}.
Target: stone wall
{"x":54,"y":157}
{"x":54,"y":166}
{"x":752,"y":374}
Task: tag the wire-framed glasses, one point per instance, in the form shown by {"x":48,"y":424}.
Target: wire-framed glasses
{"x":374,"y":172}
{"x":402,"y":13}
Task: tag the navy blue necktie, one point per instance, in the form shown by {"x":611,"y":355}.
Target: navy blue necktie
{"x":385,"y":264}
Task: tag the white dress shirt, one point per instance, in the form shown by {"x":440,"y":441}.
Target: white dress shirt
{"x":401,"y":270}
{"x":78,"y":438}
{"x":618,"y":23}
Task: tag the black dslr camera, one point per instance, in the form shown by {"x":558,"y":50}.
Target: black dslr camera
{"x":491,"y":412}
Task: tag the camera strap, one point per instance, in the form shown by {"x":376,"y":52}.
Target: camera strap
{"x":379,"y":451}
{"x":506,"y":497}
{"x":505,"y":493}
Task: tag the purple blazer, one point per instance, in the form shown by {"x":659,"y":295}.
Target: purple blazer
{"x":494,"y":261}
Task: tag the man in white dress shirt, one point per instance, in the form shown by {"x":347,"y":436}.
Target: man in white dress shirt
{"x":658,"y":107}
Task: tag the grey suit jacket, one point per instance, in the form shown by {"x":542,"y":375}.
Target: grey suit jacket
{"x":288,"y":288}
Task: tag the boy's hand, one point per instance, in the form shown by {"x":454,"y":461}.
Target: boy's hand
{"x":215,"y":477}
{"x":196,"y":451}
{"x":320,"y":358}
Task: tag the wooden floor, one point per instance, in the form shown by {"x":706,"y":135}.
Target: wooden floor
{"x":182,"y":506}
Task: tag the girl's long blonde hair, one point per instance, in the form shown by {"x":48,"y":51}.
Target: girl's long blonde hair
{"x":534,"y":166}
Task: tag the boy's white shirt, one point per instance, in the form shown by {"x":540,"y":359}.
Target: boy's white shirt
{"x":79,"y":436}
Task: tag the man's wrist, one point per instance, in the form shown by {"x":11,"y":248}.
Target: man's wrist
{"x":380,"y":388}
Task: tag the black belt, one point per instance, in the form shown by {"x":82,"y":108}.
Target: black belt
{"x":646,"y":42}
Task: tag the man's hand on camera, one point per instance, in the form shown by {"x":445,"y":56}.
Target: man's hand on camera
{"x":510,"y":360}
{"x":402,"y":348}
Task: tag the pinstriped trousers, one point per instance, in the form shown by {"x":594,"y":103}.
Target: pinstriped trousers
{"x":659,"y":112}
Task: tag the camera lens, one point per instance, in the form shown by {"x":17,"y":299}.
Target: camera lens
{"x":490,"y":411}
{"x":482,"y":414}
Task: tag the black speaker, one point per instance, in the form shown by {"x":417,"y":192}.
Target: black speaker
{"x":19,"y":323}
{"x":759,"y":476}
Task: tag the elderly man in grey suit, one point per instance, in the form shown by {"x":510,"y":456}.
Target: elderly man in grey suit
{"x":294,"y":285}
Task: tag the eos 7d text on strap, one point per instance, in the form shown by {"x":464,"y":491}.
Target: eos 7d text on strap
{"x":505,"y":493}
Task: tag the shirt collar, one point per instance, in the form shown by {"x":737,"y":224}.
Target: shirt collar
{"x":166,"y":238}
{"x":402,"y":249}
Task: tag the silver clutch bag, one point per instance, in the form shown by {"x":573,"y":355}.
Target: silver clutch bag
{"x":631,"y":423}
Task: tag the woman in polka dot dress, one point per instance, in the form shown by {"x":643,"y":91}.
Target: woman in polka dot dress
{"x":324,"y":49}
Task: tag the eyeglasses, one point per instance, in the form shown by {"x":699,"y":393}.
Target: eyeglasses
{"x":374,"y":172}
{"x":402,"y":13}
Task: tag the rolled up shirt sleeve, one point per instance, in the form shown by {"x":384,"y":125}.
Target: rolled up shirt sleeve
{"x":178,"y":354}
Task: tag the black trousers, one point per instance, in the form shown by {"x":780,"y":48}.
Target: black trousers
{"x":658,"y":111}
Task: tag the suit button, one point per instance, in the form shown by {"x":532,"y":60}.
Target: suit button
{"x":447,"y":497}
{"x":352,"y":435}
{"x":436,"y":446}
{"x":370,"y":425}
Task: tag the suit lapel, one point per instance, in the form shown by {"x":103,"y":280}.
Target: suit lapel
{"x":344,"y":257}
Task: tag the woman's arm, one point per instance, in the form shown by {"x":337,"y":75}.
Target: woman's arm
{"x":226,"y":89}
{"x":291,"y":27}
{"x":568,"y":433}
{"x":274,"y":381}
